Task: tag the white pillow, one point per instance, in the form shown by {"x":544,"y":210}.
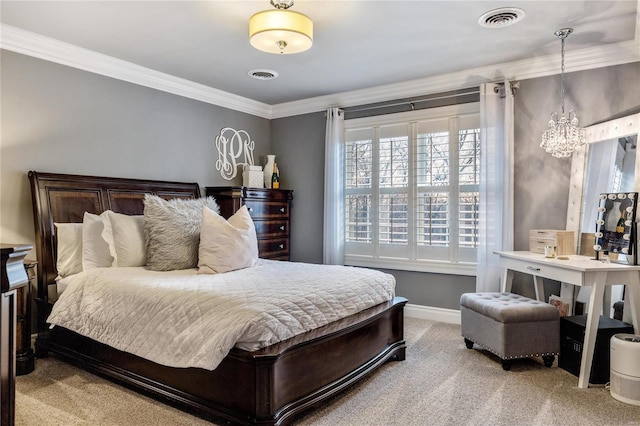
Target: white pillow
{"x":129,"y":245}
{"x":227,"y":245}
{"x":69,"y":243}
{"x":96,"y":239}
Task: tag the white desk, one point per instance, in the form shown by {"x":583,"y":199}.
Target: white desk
{"x":580,"y":271}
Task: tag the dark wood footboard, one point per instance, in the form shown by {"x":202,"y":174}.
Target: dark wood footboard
{"x":266,"y":387}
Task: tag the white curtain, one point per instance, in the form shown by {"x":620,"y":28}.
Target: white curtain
{"x":333,"y":236}
{"x":496,"y":182}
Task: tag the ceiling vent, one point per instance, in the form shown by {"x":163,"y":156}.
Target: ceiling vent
{"x":499,"y":18}
{"x":263,"y":74}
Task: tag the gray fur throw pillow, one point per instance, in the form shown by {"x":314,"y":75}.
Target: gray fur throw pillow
{"x":172,"y":231}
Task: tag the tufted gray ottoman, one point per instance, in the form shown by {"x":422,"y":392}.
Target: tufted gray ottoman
{"x":511,"y":326}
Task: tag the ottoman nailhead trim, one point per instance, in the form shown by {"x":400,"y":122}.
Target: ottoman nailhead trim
{"x":512,"y":356}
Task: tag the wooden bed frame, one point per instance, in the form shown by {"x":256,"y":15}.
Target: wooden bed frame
{"x":265,"y":387}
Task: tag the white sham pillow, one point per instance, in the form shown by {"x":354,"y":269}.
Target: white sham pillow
{"x":96,"y":241}
{"x":227,"y":245}
{"x":129,"y":245}
{"x":69,"y":245}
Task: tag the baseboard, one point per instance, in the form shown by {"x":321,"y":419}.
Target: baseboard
{"x":451,"y":316}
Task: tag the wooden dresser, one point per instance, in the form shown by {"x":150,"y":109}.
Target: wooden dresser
{"x":12,"y":277}
{"x":270,"y":211}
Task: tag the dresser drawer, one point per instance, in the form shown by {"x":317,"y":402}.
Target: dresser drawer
{"x":267,"y":209}
{"x":272,"y":228}
{"x":273,"y":247}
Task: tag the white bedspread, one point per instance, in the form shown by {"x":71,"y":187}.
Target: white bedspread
{"x":182,"y":319}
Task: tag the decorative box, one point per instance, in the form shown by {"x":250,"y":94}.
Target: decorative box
{"x":563,"y":240}
{"x":587,"y":240}
{"x":252,"y":177}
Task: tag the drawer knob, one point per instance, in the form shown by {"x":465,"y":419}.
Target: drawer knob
{"x":250,"y":209}
{"x":533,"y":268}
{"x":281,"y":209}
{"x":281,"y":246}
{"x":282,"y":228}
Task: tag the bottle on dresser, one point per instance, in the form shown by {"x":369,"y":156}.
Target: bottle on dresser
{"x":275,"y":178}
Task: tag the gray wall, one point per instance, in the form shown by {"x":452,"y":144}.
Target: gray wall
{"x":541,"y":181}
{"x":298,"y":143}
{"x":59,"y":119}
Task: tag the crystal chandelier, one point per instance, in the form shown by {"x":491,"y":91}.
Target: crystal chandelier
{"x":563,"y":135}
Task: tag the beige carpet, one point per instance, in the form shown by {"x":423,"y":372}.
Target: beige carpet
{"x":440,"y":383}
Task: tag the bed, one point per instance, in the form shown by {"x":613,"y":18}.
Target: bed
{"x":267,"y":386}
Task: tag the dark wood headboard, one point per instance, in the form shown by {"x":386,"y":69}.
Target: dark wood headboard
{"x":62,"y":198}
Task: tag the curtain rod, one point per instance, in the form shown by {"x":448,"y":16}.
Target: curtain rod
{"x":410,"y":103}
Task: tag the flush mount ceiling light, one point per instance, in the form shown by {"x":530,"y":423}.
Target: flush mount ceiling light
{"x":499,"y":18}
{"x":281,"y":30}
{"x":563,"y":135}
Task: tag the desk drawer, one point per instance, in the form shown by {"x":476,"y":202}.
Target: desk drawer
{"x":551,"y":272}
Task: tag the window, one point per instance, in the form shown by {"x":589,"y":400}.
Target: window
{"x":411,"y":190}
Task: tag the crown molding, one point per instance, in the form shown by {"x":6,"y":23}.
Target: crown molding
{"x":579,"y":60}
{"x":36,"y":45}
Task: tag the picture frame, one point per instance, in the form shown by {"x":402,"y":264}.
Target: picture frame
{"x":563,"y":304}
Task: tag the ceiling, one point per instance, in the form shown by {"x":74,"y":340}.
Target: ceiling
{"x":357,"y":44}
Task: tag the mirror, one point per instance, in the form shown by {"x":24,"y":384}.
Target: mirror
{"x":615,"y":224}
{"x":610,"y":168}
{"x":607,"y":164}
